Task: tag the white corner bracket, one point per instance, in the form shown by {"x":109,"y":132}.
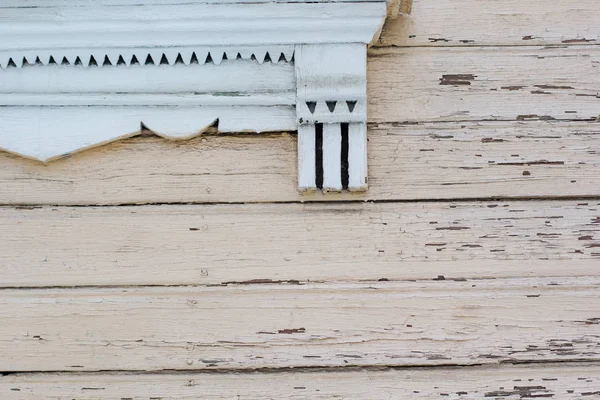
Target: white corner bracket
{"x":76,"y":74}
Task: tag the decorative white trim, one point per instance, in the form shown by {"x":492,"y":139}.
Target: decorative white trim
{"x":76,"y":74}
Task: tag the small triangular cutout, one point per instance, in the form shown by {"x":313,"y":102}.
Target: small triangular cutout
{"x":92,"y":62}
{"x":164,"y":60}
{"x":331,"y":105}
{"x":134,"y":60}
{"x":51,"y":61}
{"x":194,"y":59}
{"x":312,"y":106}
{"x":282,"y":58}
{"x":11,"y":63}
{"x":209,"y":59}
{"x":351,"y":105}
{"x":239,"y":57}
{"x":149,"y":60}
{"x":78,"y":61}
{"x":225,"y":56}
{"x":65,"y":61}
{"x":38,"y":61}
{"x":179,"y":59}
{"x":268,"y":57}
{"x":106,"y":62}
{"x":253,"y":57}
{"x":143,"y":128}
{"x":121,"y":61}
{"x":25,"y":63}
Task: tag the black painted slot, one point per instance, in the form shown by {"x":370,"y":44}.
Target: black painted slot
{"x":345,"y":144}
{"x":319,"y":156}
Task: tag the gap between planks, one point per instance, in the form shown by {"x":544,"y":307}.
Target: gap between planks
{"x":260,"y":283}
{"x":546,"y":198}
{"x":504,"y":365}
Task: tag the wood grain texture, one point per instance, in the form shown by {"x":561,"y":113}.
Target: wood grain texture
{"x":483,"y":83}
{"x":278,"y":326}
{"x":406,"y":162}
{"x":494,"y":23}
{"x":569,"y":381}
{"x":173,"y":245}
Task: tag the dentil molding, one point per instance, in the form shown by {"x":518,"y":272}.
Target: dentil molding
{"x":78,"y":73}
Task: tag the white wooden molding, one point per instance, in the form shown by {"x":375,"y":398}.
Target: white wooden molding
{"x":75,"y":75}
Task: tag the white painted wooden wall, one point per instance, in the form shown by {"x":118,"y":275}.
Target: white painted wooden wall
{"x":149,"y":268}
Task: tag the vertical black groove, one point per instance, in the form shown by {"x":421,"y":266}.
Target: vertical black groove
{"x":319,"y":156}
{"x":345,"y":174}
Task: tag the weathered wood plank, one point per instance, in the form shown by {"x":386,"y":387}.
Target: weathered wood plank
{"x":570,"y":381}
{"x":278,"y":326}
{"x":203,"y":244}
{"x":479,"y":83}
{"x":495,"y":23}
{"x":406,"y":162}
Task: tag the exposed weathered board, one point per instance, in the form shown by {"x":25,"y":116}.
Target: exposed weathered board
{"x":483,"y":83}
{"x":493,"y":22}
{"x":568,"y":381}
{"x":272,"y":326}
{"x":406,"y":162}
{"x":212,"y":244}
